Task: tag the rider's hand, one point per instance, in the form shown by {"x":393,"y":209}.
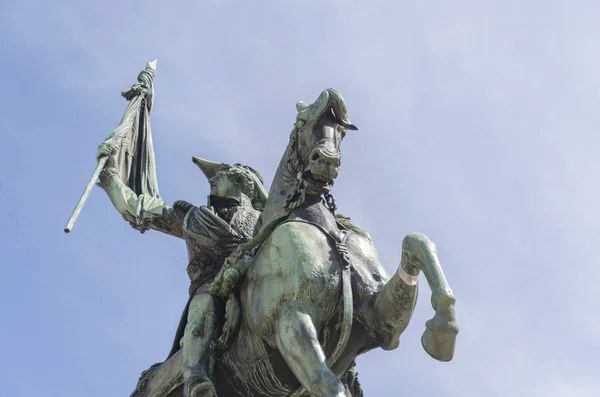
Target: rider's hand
{"x":106,"y":150}
{"x":132,"y":91}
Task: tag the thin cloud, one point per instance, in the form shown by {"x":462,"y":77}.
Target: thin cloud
{"x":478,"y":126}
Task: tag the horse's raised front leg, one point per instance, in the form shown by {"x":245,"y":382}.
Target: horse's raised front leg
{"x":299,"y":345}
{"x":395,"y":302}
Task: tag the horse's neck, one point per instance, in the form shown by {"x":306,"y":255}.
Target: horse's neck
{"x":281,"y":187}
{"x":314,"y":211}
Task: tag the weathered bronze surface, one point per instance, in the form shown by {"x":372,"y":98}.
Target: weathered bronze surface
{"x":285,"y":293}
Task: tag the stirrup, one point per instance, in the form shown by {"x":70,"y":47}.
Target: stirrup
{"x":197,"y":385}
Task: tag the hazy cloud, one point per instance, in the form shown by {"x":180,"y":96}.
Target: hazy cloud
{"x":478,"y":126}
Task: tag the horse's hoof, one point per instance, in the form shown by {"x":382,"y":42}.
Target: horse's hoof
{"x":439,"y":339}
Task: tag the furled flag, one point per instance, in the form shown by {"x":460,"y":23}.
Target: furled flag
{"x":135,"y":162}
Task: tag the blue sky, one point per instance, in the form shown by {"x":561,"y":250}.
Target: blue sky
{"x":479,"y":126}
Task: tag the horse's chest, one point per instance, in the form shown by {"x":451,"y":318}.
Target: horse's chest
{"x":296,"y":261}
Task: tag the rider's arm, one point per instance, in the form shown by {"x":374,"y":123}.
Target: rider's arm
{"x":163,"y":218}
{"x":171,"y":220}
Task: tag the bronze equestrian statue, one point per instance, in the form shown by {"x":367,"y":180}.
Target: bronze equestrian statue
{"x":297,"y":290}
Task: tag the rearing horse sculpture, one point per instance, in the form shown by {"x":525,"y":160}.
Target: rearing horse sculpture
{"x":312,"y":294}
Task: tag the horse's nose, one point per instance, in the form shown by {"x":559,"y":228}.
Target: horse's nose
{"x":325,"y":156}
{"x":333,"y":161}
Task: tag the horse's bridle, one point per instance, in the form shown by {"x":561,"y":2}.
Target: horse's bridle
{"x":300,"y":164}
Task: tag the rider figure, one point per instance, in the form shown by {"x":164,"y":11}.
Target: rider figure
{"x":211,"y":233}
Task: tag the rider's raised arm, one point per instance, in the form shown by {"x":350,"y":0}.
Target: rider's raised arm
{"x":157,"y":214}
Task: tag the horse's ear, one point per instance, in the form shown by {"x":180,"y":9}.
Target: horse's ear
{"x":350,"y":127}
{"x":300,"y":106}
{"x":338,"y":104}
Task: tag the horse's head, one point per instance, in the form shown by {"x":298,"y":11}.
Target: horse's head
{"x":317,"y":135}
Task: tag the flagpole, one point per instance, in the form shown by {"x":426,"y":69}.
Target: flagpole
{"x":86,"y":193}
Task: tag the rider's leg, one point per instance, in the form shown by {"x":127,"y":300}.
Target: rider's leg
{"x":201,"y":330}
{"x":299,"y":345}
